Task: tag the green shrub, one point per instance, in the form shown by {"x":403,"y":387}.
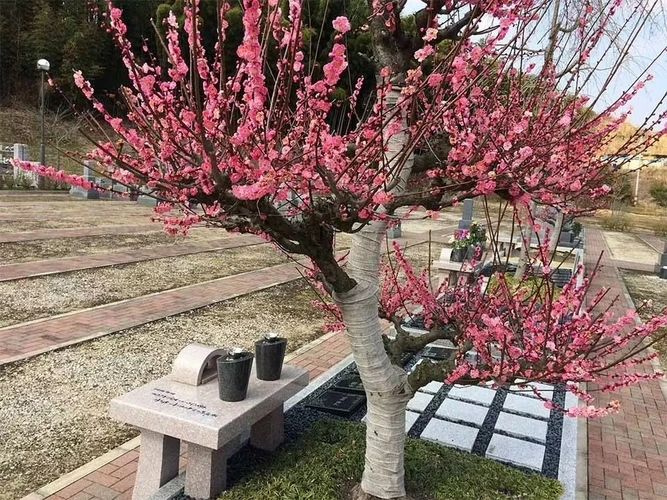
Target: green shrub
{"x":48,"y":184}
{"x":658,"y":192}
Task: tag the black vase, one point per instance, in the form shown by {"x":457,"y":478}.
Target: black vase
{"x":458,"y":254}
{"x":270,"y":354}
{"x":234,"y":375}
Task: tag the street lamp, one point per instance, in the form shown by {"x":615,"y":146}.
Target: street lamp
{"x":43,"y":66}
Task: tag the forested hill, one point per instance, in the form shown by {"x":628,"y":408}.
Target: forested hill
{"x":68,"y":34}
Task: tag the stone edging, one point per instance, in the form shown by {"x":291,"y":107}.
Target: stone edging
{"x":69,"y":478}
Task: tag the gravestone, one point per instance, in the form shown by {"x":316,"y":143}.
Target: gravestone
{"x":87,"y":194}
{"x":146,"y":200}
{"x":437,"y":353}
{"x":351,"y":384}
{"x":662,"y":264}
{"x":20,"y":175}
{"x":466,"y":220}
{"x":338,"y":403}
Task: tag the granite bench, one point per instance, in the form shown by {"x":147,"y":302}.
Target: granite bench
{"x":185,"y":406}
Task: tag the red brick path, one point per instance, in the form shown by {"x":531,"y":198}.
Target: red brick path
{"x":52,"y":266}
{"x":50,"y":234}
{"x":627,"y":452}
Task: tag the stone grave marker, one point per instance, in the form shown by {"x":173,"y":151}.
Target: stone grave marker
{"x":21,"y":153}
{"x":338,"y":403}
{"x":88,"y":194}
{"x":351,"y":384}
{"x":662,"y":264}
{"x":466,"y":220}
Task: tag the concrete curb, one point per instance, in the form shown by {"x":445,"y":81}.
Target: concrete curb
{"x":69,"y":478}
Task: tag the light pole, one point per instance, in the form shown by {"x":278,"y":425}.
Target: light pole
{"x":43,"y":66}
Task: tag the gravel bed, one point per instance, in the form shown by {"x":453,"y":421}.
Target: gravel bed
{"x":33,"y":298}
{"x":649,"y":287}
{"x":53,"y":407}
{"x":25,"y":251}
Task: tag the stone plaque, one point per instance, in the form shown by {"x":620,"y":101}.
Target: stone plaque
{"x":338,"y":403}
{"x":351,"y":384}
{"x":437,"y":353}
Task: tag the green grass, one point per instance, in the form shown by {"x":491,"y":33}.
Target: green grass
{"x":327,"y":462}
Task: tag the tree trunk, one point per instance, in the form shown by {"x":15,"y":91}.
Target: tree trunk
{"x":386,"y":385}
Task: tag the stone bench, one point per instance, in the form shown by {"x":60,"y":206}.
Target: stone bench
{"x":185,"y":406}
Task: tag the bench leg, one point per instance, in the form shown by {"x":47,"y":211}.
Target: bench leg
{"x":269,"y":432}
{"x":158,"y":463}
{"x":206,"y":472}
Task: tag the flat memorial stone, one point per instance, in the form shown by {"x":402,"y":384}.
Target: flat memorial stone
{"x":545,"y":390}
{"x":196,"y":414}
{"x":522,"y":404}
{"x":516,"y":452}
{"x":473,"y":393}
{"x":466,"y":412}
{"x":343,"y":404}
{"x":419,"y":402}
{"x":351,"y":384}
{"x":450,"y":434}
{"x":432,"y":387}
{"x":522,"y":426}
{"x":436,"y":352}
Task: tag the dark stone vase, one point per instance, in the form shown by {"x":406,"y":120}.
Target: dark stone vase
{"x":270,"y":354}
{"x":234,"y":375}
{"x":458,"y":254}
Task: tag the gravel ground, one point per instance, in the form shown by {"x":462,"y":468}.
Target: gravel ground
{"x":54,"y":413}
{"x":25,"y":251}
{"x":626,"y":246}
{"x":77,"y":222}
{"x":649,"y":287}
{"x":33,"y":298}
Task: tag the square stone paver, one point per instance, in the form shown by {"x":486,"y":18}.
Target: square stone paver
{"x":410,"y":419}
{"x":522,"y":426}
{"x":545,"y":390}
{"x":522,"y":404}
{"x":420,"y":401}
{"x":458,"y":410}
{"x":516,"y":451}
{"x":473,"y":393}
{"x":432,"y":387}
{"x":450,"y":434}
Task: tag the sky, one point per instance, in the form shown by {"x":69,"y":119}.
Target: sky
{"x":649,"y":44}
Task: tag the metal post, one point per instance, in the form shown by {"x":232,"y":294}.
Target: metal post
{"x":42,"y":158}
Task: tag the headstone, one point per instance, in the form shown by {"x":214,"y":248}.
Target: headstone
{"x":87,"y":194}
{"x":146,"y":200}
{"x":338,"y":403}
{"x":20,"y":175}
{"x":662,"y":265}
{"x":466,"y":220}
{"x":437,"y":353}
{"x":351,"y":384}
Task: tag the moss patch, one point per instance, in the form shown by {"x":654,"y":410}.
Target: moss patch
{"x":327,"y":462}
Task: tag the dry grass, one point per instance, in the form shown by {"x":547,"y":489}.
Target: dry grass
{"x":648,"y":287}
{"x":34,"y":298}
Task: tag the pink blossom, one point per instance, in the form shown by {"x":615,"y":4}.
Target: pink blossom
{"x":341,"y":24}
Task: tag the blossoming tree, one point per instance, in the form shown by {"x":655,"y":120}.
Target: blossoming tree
{"x":480,"y":98}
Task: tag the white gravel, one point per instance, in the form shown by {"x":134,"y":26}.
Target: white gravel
{"x":33,"y":298}
{"x":53,"y":407}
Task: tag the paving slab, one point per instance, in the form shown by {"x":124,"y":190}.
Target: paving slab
{"x":475,"y":394}
{"x":516,"y":452}
{"x":450,"y":434}
{"x":522,"y":426}
{"x":523,"y":404}
{"x":432,"y":387}
{"x":452,"y":409}
{"x":420,"y":401}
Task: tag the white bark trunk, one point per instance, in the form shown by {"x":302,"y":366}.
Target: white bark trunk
{"x":387,"y":389}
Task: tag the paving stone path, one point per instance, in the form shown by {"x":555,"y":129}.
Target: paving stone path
{"x":627,"y":452}
{"x":51,"y":234}
{"x":10,"y":272}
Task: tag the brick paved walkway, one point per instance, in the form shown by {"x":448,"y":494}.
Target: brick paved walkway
{"x":627,"y":452}
{"x":50,"y":234}
{"x":52,"y":266}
